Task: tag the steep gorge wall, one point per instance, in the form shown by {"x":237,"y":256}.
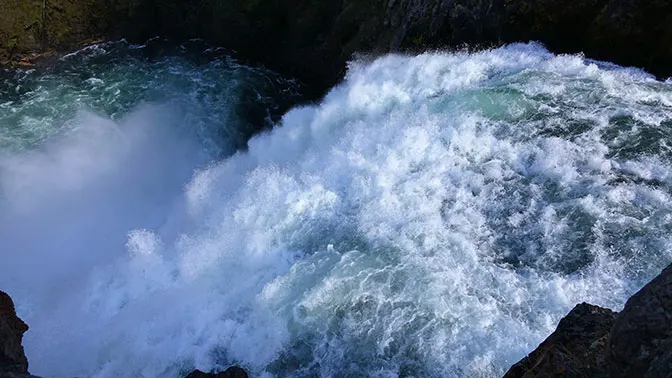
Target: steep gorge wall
{"x":312,"y":39}
{"x":33,"y":25}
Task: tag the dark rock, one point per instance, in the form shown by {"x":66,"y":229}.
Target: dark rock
{"x":12,"y":357}
{"x":575,"y":349}
{"x":641,"y":339}
{"x":595,"y":342}
{"x":661,"y":365}
{"x":232,"y":372}
{"x":312,"y":40}
{"x":644,"y":32}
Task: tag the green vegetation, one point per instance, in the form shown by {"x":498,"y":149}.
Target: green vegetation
{"x":11,"y":44}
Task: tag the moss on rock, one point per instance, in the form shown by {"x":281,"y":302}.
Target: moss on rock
{"x":34,"y":25}
{"x":20,"y":26}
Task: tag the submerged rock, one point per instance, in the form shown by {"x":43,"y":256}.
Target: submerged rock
{"x":232,"y":372}
{"x":13,"y":361}
{"x":596,"y":342}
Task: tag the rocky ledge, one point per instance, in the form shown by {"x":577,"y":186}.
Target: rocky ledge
{"x":594,"y":342}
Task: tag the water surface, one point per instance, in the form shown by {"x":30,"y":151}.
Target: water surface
{"x":433,"y":216}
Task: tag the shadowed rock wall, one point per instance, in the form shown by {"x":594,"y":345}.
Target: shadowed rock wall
{"x":312,"y":39}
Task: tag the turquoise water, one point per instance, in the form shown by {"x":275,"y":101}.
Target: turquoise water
{"x":220,"y":100}
{"x":432,"y":216}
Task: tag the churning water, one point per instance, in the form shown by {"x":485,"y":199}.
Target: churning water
{"x":432,"y":216}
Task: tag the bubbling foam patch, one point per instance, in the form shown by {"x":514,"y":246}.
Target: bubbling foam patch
{"x":434,"y":215}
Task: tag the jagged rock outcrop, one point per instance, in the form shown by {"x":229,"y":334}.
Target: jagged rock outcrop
{"x":232,"y":372}
{"x":313,"y":39}
{"x":13,"y":362}
{"x":640,"y":340}
{"x":594,"y":342}
{"x":575,"y":349}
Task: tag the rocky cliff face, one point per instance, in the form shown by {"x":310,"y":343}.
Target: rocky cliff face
{"x":312,"y":39}
{"x":577,"y":348}
{"x":13,"y":362}
{"x":592,"y":342}
{"x":640,"y":343}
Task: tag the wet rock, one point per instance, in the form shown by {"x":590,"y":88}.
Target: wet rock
{"x":595,"y":342}
{"x":577,"y":348}
{"x":641,"y":339}
{"x":12,"y":358}
{"x":232,"y":372}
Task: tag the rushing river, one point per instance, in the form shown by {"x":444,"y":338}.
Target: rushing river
{"x":432,"y":216}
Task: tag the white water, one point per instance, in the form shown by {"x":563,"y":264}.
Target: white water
{"x":434,"y":215}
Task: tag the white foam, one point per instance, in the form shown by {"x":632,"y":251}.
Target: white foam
{"x":434,"y":215}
